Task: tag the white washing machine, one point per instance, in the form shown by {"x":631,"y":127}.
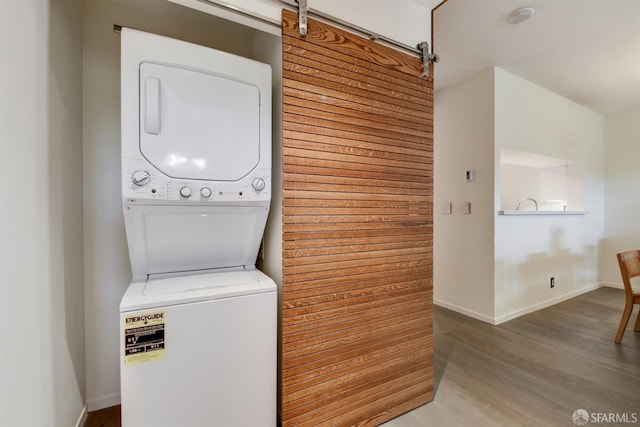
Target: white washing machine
{"x":198,"y":323}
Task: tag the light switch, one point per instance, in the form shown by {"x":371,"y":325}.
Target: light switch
{"x":466,"y":208}
{"x":445,"y":208}
{"x":469,"y":175}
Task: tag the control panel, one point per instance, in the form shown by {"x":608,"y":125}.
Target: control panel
{"x":142,"y":183}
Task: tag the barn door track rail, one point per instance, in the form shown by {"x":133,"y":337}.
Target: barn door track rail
{"x":422,"y":49}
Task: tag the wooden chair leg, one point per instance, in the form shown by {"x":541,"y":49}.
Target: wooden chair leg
{"x":623,"y":322}
{"x":637,"y":326}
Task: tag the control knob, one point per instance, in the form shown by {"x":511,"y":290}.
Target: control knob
{"x":140,"y":177}
{"x":185,"y":192}
{"x":258,"y":184}
{"x":205,"y":192}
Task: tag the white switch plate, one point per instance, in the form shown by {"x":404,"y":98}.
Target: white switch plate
{"x":466,"y":208}
{"x":445,"y":208}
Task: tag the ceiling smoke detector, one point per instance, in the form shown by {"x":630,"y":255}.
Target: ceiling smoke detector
{"x":521,"y":14}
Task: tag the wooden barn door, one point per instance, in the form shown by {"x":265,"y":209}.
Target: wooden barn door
{"x":357,"y":229}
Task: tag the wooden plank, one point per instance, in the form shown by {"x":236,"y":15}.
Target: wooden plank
{"x":365,"y":386}
{"x":314,"y":329}
{"x":371,"y":141}
{"x":312,"y":134}
{"x":304,"y":248}
{"x":364,"y":149}
{"x":309,"y":377}
{"x":291,"y":230}
{"x":357,"y":157}
{"x":326,"y":301}
{"x":396,"y":407}
{"x":375,"y":276}
{"x":373,"y":396}
{"x":357,"y":230}
{"x":330,"y":257}
{"x":318,"y":351}
{"x":305,"y":158}
{"x":303,"y":276}
{"x":301,"y":236}
{"x":354,"y":83}
{"x":338,"y":197}
{"x":310,"y":55}
{"x":322,"y":335}
{"x":392,"y":61}
{"x":303,"y":98}
{"x":334,"y":267}
{"x":298,"y":172}
{"x":317,"y":106}
{"x":339,"y":306}
{"x":318,"y":326}
{"x":356,"y":99}
{"x":343,"y":378}
{"x":328,"y":358}
{"x":339,"y":87}
{"x":370,"y":414}
{"x":340,"y":203}
{"x":300,"y":205}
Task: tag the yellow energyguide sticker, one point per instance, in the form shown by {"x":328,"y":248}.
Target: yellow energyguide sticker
{"x":144,"y":337}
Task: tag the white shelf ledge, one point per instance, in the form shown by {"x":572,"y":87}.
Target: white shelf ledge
{"x":541,"y":212}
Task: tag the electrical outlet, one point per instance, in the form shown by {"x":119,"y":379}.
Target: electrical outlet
{"x":552,"y":282}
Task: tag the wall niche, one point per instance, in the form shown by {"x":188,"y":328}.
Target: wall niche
{"x":531,"y":183}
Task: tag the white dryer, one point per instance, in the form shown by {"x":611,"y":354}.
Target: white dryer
{"x":199,"y":322}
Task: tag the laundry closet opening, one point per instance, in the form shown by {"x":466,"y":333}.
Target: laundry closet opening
{"x":107,"y":268}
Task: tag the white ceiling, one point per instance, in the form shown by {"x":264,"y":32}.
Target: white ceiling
{"x":585,"y":50}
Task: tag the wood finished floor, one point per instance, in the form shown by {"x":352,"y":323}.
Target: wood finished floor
{"x":535,"y":370}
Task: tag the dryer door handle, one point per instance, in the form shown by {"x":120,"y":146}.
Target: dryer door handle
{"x":152,"y":105}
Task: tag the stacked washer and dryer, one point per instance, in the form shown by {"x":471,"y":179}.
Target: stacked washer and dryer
{"x":198,"y":322}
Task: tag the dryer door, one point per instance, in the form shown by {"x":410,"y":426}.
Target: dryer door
{"x":198,"y":125}
{"x":169,"y":239}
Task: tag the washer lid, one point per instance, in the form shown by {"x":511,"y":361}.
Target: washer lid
{"x":159,"y":291}
{"x":198,"y":125}
{"x":166,"y":285}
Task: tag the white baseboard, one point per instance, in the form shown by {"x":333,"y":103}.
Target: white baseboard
{"x":612,"y":285}
{"x":82,"y":419}
{"x":466,"y":312}
{"x":526,"y":310}
{"x":545,"y":304}
{"x":103,"y":402}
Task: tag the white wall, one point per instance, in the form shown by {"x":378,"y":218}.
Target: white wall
{"x":42,"y":350}
{"x":463,"y":244}
{"x":495,"y":267}
{"x":622,"y":193}
{"x":107,"y":269}
{"x":65,"y":188}
{"x":529,"y":249}
{"x":25,"y":300}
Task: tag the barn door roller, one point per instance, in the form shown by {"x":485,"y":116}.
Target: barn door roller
{"x":427,"y":58}
{"x":302,"y":16}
